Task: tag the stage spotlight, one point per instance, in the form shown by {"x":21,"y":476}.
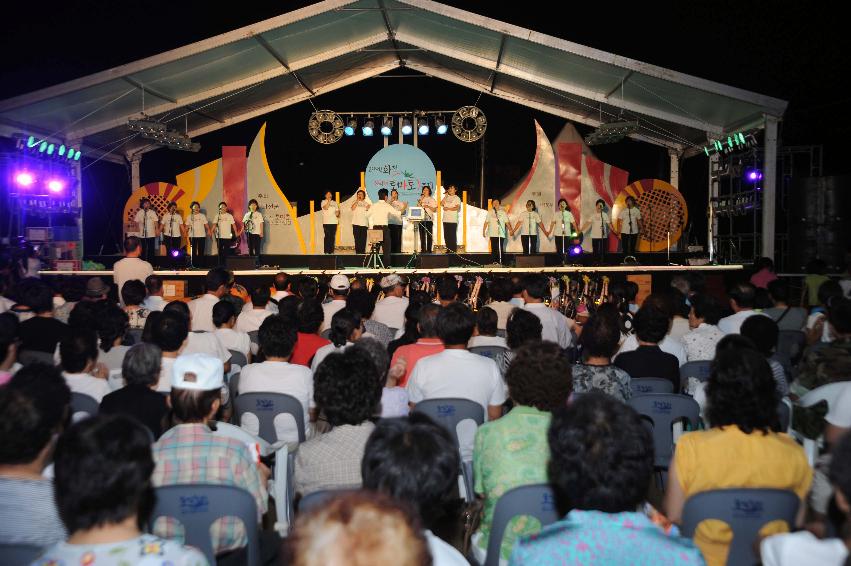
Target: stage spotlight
{"x":50,"y":149}
{"x":407,"y":129}
{"x":351,"y":126}
{"x":55,"y":185}
{"x":387,"y":126}
{"x":575,"y":250}
{"x":42,"y":147}
{"x":24,"y":179}
{"x":62,"y":150}
{"x":78,"y":155}
{"x":176,"y":253}
{"x":753,"y":175}
{"x":423,"y":127}
{"x":368,"y":127}
{"x":440,"y":125}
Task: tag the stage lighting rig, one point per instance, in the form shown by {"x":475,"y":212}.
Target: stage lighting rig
{"x":467,"y":123}
{"x":611,"y":132}
{"x":161,"y":134}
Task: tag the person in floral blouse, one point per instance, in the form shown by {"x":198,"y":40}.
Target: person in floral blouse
{"x":133,"y":293}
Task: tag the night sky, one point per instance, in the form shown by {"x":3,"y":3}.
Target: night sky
{"x":789,"y":50}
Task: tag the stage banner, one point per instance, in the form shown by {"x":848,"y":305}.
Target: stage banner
{"x":402,"y":167}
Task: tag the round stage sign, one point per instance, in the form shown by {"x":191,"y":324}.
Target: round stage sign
{"x":402,"y":167}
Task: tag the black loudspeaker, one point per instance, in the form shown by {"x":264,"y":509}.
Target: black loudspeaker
{"x":429,"y":261}
{"x":322,"y":262}
{"x":240,"y":263}
{"x":535,"y":260}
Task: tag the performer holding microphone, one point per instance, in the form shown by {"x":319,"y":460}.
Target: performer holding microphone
{"x":426,"y":227}
{"x":599,"y":223}
{"x":629,"y":226}
{"x":395,"y":222}
{"x":197,"y":229}
{"x":531,"y":222}
{"x":225,"y":230}
{"x":563,"y":226}
{"x":252,"y":224}
{"x":330,"y":221}
{"x":359,"y":221}
{"x":149,"y":228}
{"x":451,"y":204}
{"x":172,"y":228}
{"x":495,"y":227}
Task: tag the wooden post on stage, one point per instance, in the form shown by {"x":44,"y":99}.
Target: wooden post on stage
{"x":438,"y":230}
{"x":312,"y":228}
{"x":337,"y":235}
{"x":490,"y":204}
{"x":464,"y":220}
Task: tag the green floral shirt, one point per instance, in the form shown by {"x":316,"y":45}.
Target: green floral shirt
{"x":510,"y":452}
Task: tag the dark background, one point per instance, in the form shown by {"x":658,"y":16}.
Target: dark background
{"x":789,"y":50}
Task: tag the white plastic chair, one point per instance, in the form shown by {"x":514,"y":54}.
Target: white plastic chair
{"x":828,"y":393}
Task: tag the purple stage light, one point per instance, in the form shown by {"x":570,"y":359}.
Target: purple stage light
{"x":576,"y":250}
{"x":56,"y":185}
{"x":24,"y":179}
{"x":753,"y":175}
{"x":175,"y":253}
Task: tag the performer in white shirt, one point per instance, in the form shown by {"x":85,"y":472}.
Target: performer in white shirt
{"x":495,"y":228}
{"x":426,"y":227}
{"x":563,"y":225}
{"x":451,"y":204}
{"x":359,"y":221}
{"x":225,"y":230}
{"x":600,"y":224}
{"x":380,"y":214}
{"x":197,"y":229}
{"x":330,"y":221}
{"x":252,"y":223}
{"x":629,"y":226}
{"x":395,"y":222}
{"x":531,"y":223}
{"x":148,"y":226}
{"x":172,"y":228}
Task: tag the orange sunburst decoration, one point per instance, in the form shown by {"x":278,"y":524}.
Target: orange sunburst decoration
{"x":662,"y":208}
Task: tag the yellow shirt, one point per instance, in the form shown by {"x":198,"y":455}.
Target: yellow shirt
{"x":726,"y":458}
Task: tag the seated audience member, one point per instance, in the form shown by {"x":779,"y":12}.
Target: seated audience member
{"x":501,"y":291}
{"x":82,"y":373}
{"x":703,"y":319}
{"x":346,"y":328}
{"x":785,"y":315}
{"x":8,"y":346}
{"x":485,"y":332}
{"x":359,"y":529}
{"x":307,"y":287}
{"x":599,"y":340}
{"x":648,"y":360}
{"x":104,"y":493}
{"x":363,"y":302}
{"x":200,"y":342}
{"x":763,"y":273}
{"x":216,"y":284}
{"x":680,"y":311}
{"x":338,"y":290}
{"x":512,"y":451}
{"x":112,"y":325}
{"x":169,"y":331}
{"x":742,"y":297}
{"x":96,"y":290}
{"x":224,"y":317}
{"x":405,"y":358}
{"x":390,"y":310}
{"x":792,"y":549}
{"x":309,"y":317}
{"x":347,"y":392}
{"x":72,"y":290}
{"x":410,"y":334}
{"x":446,"y":290}
{"x":154,"y":301}
{"x":191,"y":453}
{"x":520,"y":329}
{"x":276,"y":374}
{"x":742,"y":411}
{"x":132,"y":295}
{"x":42,"y":332}
{"x":414,"y":460}
{"x":455,"y":372}
{"x":668,"y":344}
{"x":139,"y":399}
{"x":556,"y":326}
{"x":281,"y":283}
{"x":34,"y":409}
{"x":763,"y":332}
{"x":600,"y":467}
{"x":831,"y":362}
{"x":817,"y":327}
{"x":253,"y":315}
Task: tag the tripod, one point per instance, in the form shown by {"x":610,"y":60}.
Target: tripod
{"x":412,"y":261}
{"x":373,"y":258}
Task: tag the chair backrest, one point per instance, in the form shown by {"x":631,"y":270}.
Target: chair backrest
{"x":501,"y":333}
{"x":784,"y":414}
{"x":792,"y":342}
{"x":233,"y":385}
{"x":645,"y":385}
{"x":318,"y":498}
{"x":664,"y":409}
{"x":827,"y":393}
{"x":197,"y":507}
{"x":238,"y":358}
{"x":536,"y":500}
{"x":232,"y":431}
{"x":496,"y":353}
{"x":746,"y":511}
{"x":133,"y":336}
{"x":697,"y":369}
{"x":326,"y":334}
{"x":19,"y":554}
{"x":266,"y":406}
{"x":254,"y":336}
{"x":28,"y":357}
{"x":82,"y":403}
{"x":448,"y":412}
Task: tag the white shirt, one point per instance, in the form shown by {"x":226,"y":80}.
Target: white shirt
{"x":234,"y":340}
{"x":450,"y":201}
{"x":147,"y":222}
{"x":529,"y":223}
{"x":497,"y":221}
{"x":205,"y":343}
{"x":476,"y":341}
{"x":87,"y":384}
{"x":563,"y":217}
{"x":668,"y":344}
{"x":164,"y":383}
{"x":428,"y":202}
{"x":733,"y":324}
{"x":556,"y":326}
{"x":359,"y":213}
{"x":825,"y":330}
{"x":196,"y":222}
{"x":839,"y":412}
{"x":256,"y":222}
{"x":249,"y":321}
{"x":128,"y":269}
{"x":171,"y":224}
{"x":794,"y":549}
{"x":330,"y":209}
{"x":701,"y":342}
{"x":396,"y":217}
{"x":390,"y":311}
{"x":278,"y":295}
{"x":380,"y":213}
{"x":326,"y":351}
{"x":598,"y":226}
{"x":679,"y":328}
{"x":443,"y":553}
{"x":330,"y":309}
{"x":225,"y":223}
{"x":154,"y":303}
{"x":201,"y":310}
{"x":278,"y":377}
{"x":629,"y":217}
{"x":459,"y":374}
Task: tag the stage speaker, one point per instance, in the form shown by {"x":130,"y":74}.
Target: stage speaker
{"x":323,"y":262}
{"x":429,"y":261}
{"x":240,"y":263}
{"x":534,"y":260}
